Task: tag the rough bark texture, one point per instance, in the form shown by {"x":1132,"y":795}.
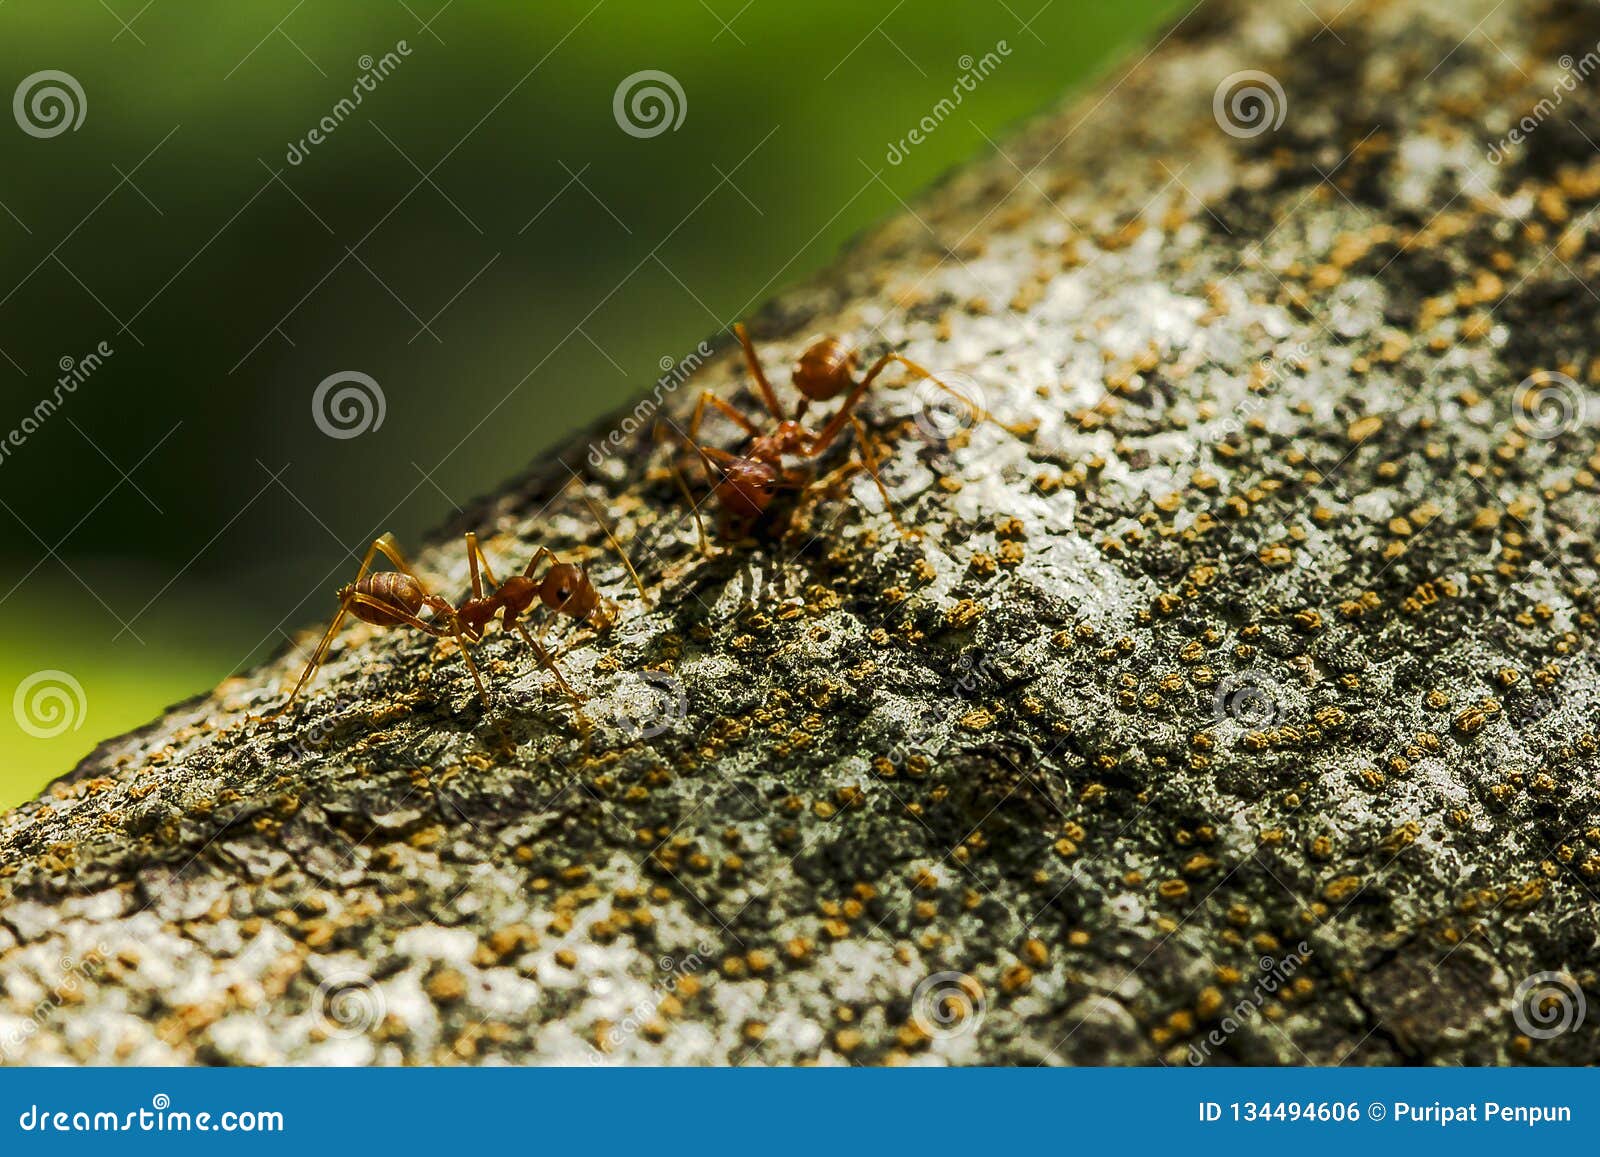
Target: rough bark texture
{"x":1249,"y":695}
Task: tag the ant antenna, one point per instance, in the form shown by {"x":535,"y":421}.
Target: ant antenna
{"x":594,"y":509}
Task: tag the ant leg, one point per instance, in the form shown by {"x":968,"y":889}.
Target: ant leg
{"x":768,"y":394}
{"x":333,"y":629}
{"x":617,"y":546}
{"x":978,"y":412}
{"x":315,"y":662}
{"x":545,"y":661}
{"x":533,"y":563}
{"x":824,"y":438}
{"x":869,"y":459}
{"x":390,"y":550}
{"x":436,"y":629}
{"x":683,"y":486}
{"x":442,"y":610}
{"x":474,"y":553}
{"x":707,"y":398}
{"x":478,"y":557}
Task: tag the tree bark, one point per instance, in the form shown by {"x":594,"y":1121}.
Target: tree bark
{"x":1236,"y":702}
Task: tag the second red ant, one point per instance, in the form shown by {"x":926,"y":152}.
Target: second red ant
{"x":392,"y":598}
{"x":746,"y":484}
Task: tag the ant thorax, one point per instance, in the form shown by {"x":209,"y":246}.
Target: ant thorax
{"x":787,"y":437}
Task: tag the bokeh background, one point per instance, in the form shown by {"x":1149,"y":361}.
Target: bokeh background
{"x":480,"y":236}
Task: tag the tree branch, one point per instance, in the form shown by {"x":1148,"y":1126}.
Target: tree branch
{"x":1241,"y":708}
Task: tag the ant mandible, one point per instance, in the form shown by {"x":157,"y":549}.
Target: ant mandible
{"x":398,"y":597}
{"x":749,"y":482}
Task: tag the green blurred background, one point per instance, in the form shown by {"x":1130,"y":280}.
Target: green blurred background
{"x":478,"y":233}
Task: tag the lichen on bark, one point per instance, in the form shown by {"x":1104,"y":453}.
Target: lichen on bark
{"x":1239,"y":706}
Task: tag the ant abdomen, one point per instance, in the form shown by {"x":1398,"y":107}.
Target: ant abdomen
{"x":825,"y":370}
{"x":388,"y":598}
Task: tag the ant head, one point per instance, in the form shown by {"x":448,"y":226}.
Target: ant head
{"x":567,"y":590}
{"x":825,"y":370}
{"x":748,"y":487}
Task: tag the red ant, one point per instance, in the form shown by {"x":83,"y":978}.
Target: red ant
{"x":750,"y":481}
{"x":391,"y":598}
